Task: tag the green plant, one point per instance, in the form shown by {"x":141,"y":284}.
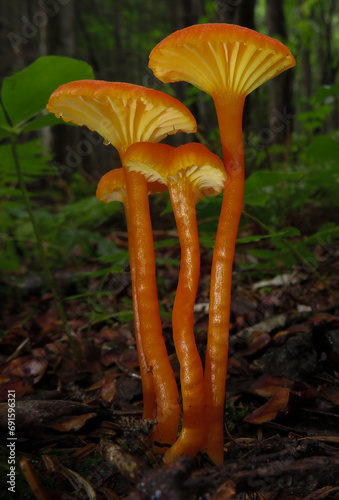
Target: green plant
{"x":23,"y":100}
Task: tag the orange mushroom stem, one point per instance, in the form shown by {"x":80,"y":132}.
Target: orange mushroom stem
{"x":112,"y":187}
{"x":190,"y":172}
{"x":228,"y":62}
{"x":124,"y":114}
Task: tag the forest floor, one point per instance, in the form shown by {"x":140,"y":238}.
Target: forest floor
{"x":78,"y":424}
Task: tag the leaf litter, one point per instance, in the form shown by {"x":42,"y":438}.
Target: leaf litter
{"x":79,"y":426}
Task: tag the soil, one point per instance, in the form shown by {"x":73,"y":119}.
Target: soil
{"x":78,"y":426}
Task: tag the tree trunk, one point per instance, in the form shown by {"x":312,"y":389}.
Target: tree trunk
{"x":281,"y":107}
{"x":236,"y":12}
{"x":328,"y":55}
{"x":305,"y":62}
{"x":62,"y":42}
{"x":186,"y":13}
{"x":17,"y":36}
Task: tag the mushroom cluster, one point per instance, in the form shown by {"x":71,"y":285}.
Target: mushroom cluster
{"x":228,"y":62}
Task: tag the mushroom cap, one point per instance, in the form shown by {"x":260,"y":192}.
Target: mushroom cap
{"x":149,"y":159}
{"x":122,"y":113}
{"x":112,"y":187}
{"x":219,"y":56}
{"x":166,"y":164}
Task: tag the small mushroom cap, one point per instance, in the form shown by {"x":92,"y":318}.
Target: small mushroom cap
{"x":112,"y":187}
{"x":219,"y":56}
{"x":149,"y":159}
{"x":122,"y":113}
{"x":193,"y":162}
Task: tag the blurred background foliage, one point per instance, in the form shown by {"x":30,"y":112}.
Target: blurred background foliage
{"x":290,"y":135}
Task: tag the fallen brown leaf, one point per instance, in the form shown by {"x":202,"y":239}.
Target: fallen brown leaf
{"x":270,"y":410}
{"x":267,"y":386}
{"x":73,"y":423}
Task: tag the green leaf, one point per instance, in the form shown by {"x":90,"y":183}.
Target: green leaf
{"x":166,"y":243}
{"x":33,"y":160}
{"x":168,"y":209}
{"x":264,"y":254}
{"x":4,"y":132}
{"x":122,"y":316}
{"x":284,"y":233}
{"x":326,"y":234}
{"x":89,"y":211}
{"x":25,"y":94}
{"x":326,"y":91}
{"x":117,"y":256}
{"x":256,"y":199}
{"x":167,"y":261}
{"x":323,"y":148}
{"x":258,"y":187}
{"x":208,"y":241}
{"x":9,"y":264}
{"x":41,"y":121}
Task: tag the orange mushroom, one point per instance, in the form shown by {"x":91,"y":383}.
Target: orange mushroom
{"x":124,"y":114}
{"x":112,"y":187}
{"x":191,"y":172}
{"x":228,"y":62}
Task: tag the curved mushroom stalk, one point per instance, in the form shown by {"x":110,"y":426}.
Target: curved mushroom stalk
{"x":124,"y":114}
{"x":112,"y":187}
{"x":228,"y":62}
{"x":190,"y":172}
{"x":167,"y":397}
